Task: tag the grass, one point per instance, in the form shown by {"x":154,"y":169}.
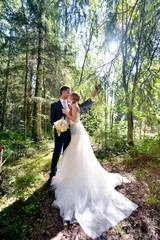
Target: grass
{"x":26,"y":171}
{"x":152,"y":199}
{"x":119,"y":229}
{"x":23,"y":192}
{"x":23,"y":176}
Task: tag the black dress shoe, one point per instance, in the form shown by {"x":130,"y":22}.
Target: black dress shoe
{"x":49,"y":182}
{"x":104,"y":236}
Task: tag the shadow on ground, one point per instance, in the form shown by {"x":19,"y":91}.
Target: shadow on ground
{"x":29,"y":219}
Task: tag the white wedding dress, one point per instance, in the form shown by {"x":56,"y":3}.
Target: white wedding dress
{"x":84,"y":190}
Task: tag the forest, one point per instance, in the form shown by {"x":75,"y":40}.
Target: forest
{"x":108,"y":45}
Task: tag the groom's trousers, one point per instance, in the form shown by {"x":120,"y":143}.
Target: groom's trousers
{"x":61,"y":141}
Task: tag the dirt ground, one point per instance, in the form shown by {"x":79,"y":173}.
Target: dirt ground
{"x":143,"y":224}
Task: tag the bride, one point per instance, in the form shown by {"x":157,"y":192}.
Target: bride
{"x":84,"y":190}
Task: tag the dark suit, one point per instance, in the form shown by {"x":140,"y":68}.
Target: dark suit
{"x":64,"y":139}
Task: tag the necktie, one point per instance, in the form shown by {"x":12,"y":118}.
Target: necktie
{"x":67,"y":109}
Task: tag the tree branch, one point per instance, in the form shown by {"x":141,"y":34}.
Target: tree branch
{"x":88,"y":48}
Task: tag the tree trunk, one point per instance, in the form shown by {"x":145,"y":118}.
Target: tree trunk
{"x":5,"y":97}
{"x":124,"y":79}
{"x":25,"y":88}
{"x":66,"y":31}
{"x":6,"y":87}
{"x":130,"y":128}
{"x":29,"y":108}
{"x":144,"y":129}
{"x":44,"y":107}
{"x":140,"y":128}
{"x":1,"y":157}
{"x":37,"y":130}
{"x":106,"y":114}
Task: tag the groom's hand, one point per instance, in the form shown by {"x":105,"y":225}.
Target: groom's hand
{"x":64,"y":111}
{"x":93,"y":94}
{"x":58,"y":132}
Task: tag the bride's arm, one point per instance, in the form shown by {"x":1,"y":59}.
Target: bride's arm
{"x":74,"y":112}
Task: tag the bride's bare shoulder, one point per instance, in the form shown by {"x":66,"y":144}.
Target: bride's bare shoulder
{"x":75,"y":107}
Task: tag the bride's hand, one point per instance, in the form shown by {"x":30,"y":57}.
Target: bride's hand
{"x":93,"y":94}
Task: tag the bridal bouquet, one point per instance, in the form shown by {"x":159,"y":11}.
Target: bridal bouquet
{"x":61,"y":125}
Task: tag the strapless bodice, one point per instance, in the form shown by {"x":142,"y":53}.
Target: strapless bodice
{"x":77,"y":119}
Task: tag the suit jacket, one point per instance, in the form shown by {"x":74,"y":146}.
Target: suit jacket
{"x":56,"y":109}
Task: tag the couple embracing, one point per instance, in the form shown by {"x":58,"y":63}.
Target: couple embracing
{"x":84,"y":190}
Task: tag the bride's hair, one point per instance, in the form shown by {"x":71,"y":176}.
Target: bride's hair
{"x":76,"y":97}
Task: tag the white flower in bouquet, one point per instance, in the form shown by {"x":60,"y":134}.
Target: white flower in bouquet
{"x":61,"y":125}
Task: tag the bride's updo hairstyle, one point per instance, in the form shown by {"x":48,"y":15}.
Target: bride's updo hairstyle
{"x":76,"y":97}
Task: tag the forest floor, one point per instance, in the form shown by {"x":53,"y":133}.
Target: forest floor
{"x":34,"y":218}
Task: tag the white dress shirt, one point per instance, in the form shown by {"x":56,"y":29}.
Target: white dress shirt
{"x":62,"y":101}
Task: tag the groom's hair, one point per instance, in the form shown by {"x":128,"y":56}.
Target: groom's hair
{"x":64,"y":88}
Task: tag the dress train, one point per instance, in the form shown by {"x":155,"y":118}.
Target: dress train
{"x":85,"y":191}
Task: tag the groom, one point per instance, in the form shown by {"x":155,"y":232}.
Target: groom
{"x":64,"y":139}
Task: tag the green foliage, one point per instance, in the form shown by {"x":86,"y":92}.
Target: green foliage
{"x":152,"y":199}
{"x":149,"y":145}
{"x":120,"y":144}
{"x":15,"y":146}
{"x":138,"y":173}
{"x":78,"y":51}
{"x":10,"y":135}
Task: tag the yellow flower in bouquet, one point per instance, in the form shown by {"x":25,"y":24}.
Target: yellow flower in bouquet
{"x":61,"y":125}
